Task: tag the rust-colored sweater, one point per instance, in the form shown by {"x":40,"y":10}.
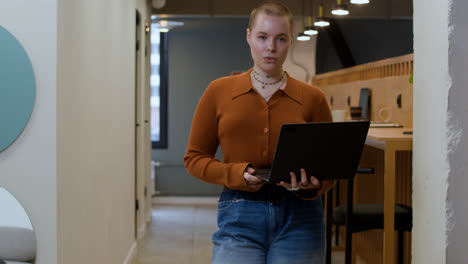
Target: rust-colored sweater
{"x":232,"y":113}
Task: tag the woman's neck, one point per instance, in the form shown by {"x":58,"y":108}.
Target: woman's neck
{"x":268,"y":76}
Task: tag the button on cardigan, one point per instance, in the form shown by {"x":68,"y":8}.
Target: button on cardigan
{"x":231,"y":113}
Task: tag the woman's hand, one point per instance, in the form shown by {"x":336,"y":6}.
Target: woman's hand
{"x":304,"y":184}
{"x":253,"y":182}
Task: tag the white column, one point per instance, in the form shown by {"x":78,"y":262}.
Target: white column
{"x":457,"y":126}
{"x":440,"y":124}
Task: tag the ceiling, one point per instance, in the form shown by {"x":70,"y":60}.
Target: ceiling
{"x":384,"y":9}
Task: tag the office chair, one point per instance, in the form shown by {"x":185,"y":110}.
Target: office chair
{"x":362,"y":217}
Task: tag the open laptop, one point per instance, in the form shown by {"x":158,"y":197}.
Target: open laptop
{"x":324,"y":150}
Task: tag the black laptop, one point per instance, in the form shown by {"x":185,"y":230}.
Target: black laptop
{"x":324,"y":150}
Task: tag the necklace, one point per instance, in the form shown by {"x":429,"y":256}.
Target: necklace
{"x":254,"y":72}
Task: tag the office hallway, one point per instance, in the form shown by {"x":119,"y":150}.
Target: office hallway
{"x":182,"y":234}
{"x":178,"y":234}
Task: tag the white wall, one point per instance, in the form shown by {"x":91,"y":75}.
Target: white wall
{"x":73,"y":167}
{"x":95,"y":131}
{"x":431,"y":168}
{"x":457,"y":206}
{"x":28,"y":167}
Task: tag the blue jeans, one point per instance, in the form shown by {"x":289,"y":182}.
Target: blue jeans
{"x":257,"y":228}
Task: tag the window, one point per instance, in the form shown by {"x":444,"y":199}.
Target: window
{"x":158,"y":83}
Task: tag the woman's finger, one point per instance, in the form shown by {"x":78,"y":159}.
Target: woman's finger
{"x":252,"y":179}
{"x":250,"y":170}
{"x":315,"y":181}
{"x":304,"y":180}
{"x":293,"y":179}
{"x":284,"y":184}
{"x":293,"y":185}
{"x":288,"y":186}
{"x":253,"y":182}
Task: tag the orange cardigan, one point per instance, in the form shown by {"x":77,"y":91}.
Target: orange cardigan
{"x":232,"y":113}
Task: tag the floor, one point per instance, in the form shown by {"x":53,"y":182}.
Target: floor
{"x":182,"y":234}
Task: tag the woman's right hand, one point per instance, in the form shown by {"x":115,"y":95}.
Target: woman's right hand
{"x":253,"y":182}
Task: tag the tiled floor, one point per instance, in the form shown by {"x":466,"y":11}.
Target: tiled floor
{"x":181,"y":234}
{"x":178,"y":234}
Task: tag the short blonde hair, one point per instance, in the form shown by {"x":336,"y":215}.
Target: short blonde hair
{"x":271,"y":8}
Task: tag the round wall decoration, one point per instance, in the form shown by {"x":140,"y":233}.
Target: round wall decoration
{"x":17,"y":89}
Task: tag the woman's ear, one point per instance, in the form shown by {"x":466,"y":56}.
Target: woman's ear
{"x":248,"y":35}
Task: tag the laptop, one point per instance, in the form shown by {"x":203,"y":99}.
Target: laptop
{"x":325,"y":150}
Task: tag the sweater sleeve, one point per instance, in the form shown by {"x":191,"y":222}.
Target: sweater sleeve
{"x":202,"y":145}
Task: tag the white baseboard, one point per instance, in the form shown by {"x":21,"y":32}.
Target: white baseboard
{"x":131,"y":254}
{"x":141,"y":231}
{"x":182,"y":200}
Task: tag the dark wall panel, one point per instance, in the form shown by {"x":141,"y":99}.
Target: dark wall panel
{"x":201,"y":51}
{"x":368,"y":39}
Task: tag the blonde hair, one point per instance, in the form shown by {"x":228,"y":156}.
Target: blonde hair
{"x":271,"y":8}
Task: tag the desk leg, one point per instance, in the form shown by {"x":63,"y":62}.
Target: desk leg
{"x":389,"y":204}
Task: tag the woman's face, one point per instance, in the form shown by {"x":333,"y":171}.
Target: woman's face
{"x":269,"y":41}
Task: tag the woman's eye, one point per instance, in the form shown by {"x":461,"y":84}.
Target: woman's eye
{"x":262,"y":37}
{"x":282,"y":39}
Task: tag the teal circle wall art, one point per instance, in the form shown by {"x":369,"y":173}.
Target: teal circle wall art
{"x":17,"y":89}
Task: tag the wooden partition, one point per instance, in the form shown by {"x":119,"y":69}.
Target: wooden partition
{"x":386,"y":80}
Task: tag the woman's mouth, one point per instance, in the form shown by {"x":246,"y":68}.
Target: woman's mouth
{"x":269,"y":59}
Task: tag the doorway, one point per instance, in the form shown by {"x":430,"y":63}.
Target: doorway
{"x":138,"y":129}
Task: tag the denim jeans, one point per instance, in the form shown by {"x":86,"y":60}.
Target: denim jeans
{"x":257,"y":228}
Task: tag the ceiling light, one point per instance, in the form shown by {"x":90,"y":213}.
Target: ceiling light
{"x":340,"y":10}
{"x":166,"y":25}
{"x":359,"y":2}
{"x":303,"y":37}
{"x":320,"y":21}
{"x":158,"y":4}
{"x":163,"y":23}
{"x":310,"y":30}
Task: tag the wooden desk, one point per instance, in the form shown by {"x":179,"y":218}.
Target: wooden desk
{"x":390,"y":140}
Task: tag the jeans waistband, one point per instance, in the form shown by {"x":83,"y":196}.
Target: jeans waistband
{"x":269,"y":193}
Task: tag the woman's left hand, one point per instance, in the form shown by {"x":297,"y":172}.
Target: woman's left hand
{"x":304,"y":184}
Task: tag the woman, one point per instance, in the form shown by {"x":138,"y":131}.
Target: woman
{"x":259,"y":222}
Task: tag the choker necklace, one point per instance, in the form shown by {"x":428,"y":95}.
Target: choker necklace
{"x":254,"y":72}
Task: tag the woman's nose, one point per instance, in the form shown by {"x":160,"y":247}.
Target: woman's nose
{"x":271,"y":46}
